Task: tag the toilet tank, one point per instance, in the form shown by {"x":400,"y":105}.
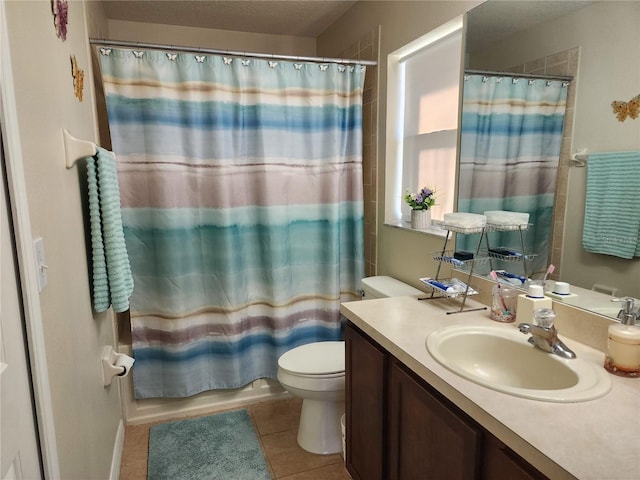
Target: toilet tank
{"x":382,"y":286}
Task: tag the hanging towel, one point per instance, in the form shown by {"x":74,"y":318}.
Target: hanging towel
{"x":112,"y":279}
{"x":612,"y":215}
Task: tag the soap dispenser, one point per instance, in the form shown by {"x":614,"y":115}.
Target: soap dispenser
{"x":623,"y":344}
{"x":533,"y":300}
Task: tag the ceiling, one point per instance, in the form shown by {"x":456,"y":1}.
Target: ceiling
{"x":488,"y":22}
{"x":304,"y":18}
{"x":495,"y":20}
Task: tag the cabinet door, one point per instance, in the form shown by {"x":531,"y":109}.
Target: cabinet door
{"x":500,"y":462}
{"x":427,"y":438}
{"x":364,"y":396}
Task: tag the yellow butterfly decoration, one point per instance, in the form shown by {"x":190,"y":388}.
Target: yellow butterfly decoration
{"x":630,"y":109}
{"x":78,"y":78}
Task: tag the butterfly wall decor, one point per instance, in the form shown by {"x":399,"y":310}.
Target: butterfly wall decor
{"x":624,"y":110}
{"x":60,"y":10}
{"x":78,"y":78}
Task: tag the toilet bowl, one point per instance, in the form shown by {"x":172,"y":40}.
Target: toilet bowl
{"x":315,"y":373}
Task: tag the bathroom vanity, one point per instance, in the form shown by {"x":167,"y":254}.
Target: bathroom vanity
{"x":409,"y":417}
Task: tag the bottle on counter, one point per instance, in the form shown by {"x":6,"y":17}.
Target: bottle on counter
{"x":623,"y":345}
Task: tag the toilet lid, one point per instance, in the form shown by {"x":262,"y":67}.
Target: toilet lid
{"x":318,"y":358}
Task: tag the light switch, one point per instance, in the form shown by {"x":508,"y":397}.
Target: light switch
{"x":41,"y":264}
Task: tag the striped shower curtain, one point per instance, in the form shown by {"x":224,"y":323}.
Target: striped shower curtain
{"x":509,"y":154}
{"x":241,"y":185}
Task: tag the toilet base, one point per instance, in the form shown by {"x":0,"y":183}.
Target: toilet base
{"x":320,"y":431}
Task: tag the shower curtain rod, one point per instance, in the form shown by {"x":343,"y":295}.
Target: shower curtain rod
{"x":519,"y":75}
{"x":178,"y":48}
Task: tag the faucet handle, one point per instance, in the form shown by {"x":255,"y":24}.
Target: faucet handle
{"x":543,"y":317}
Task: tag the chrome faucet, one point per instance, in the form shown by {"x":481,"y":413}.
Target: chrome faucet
{"x":628,"y":314}
{"x":546,"y":337}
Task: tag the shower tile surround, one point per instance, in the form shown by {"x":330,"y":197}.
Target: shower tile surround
{"x":367,"y":48}
{"x":276,"y":424}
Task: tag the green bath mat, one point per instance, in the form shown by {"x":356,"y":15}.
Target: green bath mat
{"x":222,"y":446}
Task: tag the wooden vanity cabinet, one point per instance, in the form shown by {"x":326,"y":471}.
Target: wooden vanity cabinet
{"x":400,"y":428}
{"x":365,"y":381}
{"x":425,"y":435}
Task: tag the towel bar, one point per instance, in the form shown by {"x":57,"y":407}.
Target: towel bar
{"x":75,"y":149}
{"x":580,"y":158}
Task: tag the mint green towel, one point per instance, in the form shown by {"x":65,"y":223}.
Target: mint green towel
{"x":112,"y":279}
{"x":612,"y":214}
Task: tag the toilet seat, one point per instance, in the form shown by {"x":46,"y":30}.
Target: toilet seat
{"x":315,"y":360}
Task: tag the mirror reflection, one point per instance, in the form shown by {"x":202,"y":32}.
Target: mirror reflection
{"x":549,"y":39}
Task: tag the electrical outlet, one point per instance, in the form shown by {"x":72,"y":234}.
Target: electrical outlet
{"x":41,"y":264}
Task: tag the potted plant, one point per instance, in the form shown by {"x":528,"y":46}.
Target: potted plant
{"x":420,"y":203}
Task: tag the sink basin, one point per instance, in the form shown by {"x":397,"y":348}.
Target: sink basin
{"x":503,"y":360}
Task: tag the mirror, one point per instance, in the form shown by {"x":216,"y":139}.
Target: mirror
{"x":575,"y":38}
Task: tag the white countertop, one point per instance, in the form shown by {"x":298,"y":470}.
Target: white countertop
{"x":597,"y":439}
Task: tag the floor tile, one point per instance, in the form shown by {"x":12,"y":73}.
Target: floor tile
{"x":337,"y":471}
{"x":287,"y":458}
{"x":275,"y":416}
{"x":276,"y":423}
{"x":136,"y":444}
{"x":134,"y":470}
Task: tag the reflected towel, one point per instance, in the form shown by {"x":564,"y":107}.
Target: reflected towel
{"x":612,"y":216}
{"x":112,"y":279}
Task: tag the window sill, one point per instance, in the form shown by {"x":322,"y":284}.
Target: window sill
{"x":433,"y":230}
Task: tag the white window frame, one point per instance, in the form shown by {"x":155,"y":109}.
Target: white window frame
{"x":394,"y":190}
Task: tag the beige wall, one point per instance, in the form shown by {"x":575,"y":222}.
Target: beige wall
{"x":211,"y":38}
{"x":401,"y":253}
{"x":609,"y":69}
{"x":86,"y":415}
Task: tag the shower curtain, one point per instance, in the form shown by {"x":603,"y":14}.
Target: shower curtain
{"x":241,"y":184}
{"x":509,"y":155}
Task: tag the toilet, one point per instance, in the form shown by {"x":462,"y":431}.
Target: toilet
{"x":315,"y":373}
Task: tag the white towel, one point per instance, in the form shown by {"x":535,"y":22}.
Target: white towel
{"x":506,"y":218}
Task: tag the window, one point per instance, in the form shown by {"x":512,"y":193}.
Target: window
{"x":422,"y":120}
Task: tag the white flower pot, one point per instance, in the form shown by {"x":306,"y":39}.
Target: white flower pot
{"x":420,"y":219}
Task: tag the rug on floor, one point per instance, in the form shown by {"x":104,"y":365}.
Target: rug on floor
{"x":221,"y":446}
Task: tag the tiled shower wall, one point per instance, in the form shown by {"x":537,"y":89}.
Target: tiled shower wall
{"x":563,"y":63}
{"x":367,"y":48}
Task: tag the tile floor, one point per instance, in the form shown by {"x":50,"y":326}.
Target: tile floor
{"x":276,"y":423}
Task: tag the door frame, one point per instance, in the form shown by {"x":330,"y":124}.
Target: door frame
{"x":26,"y":258}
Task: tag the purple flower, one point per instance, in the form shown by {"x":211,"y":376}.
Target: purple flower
{"x":423,"y":200}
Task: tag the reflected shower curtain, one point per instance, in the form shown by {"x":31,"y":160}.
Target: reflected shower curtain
{"x":241,"y":186}
{"x":509,"y":155}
